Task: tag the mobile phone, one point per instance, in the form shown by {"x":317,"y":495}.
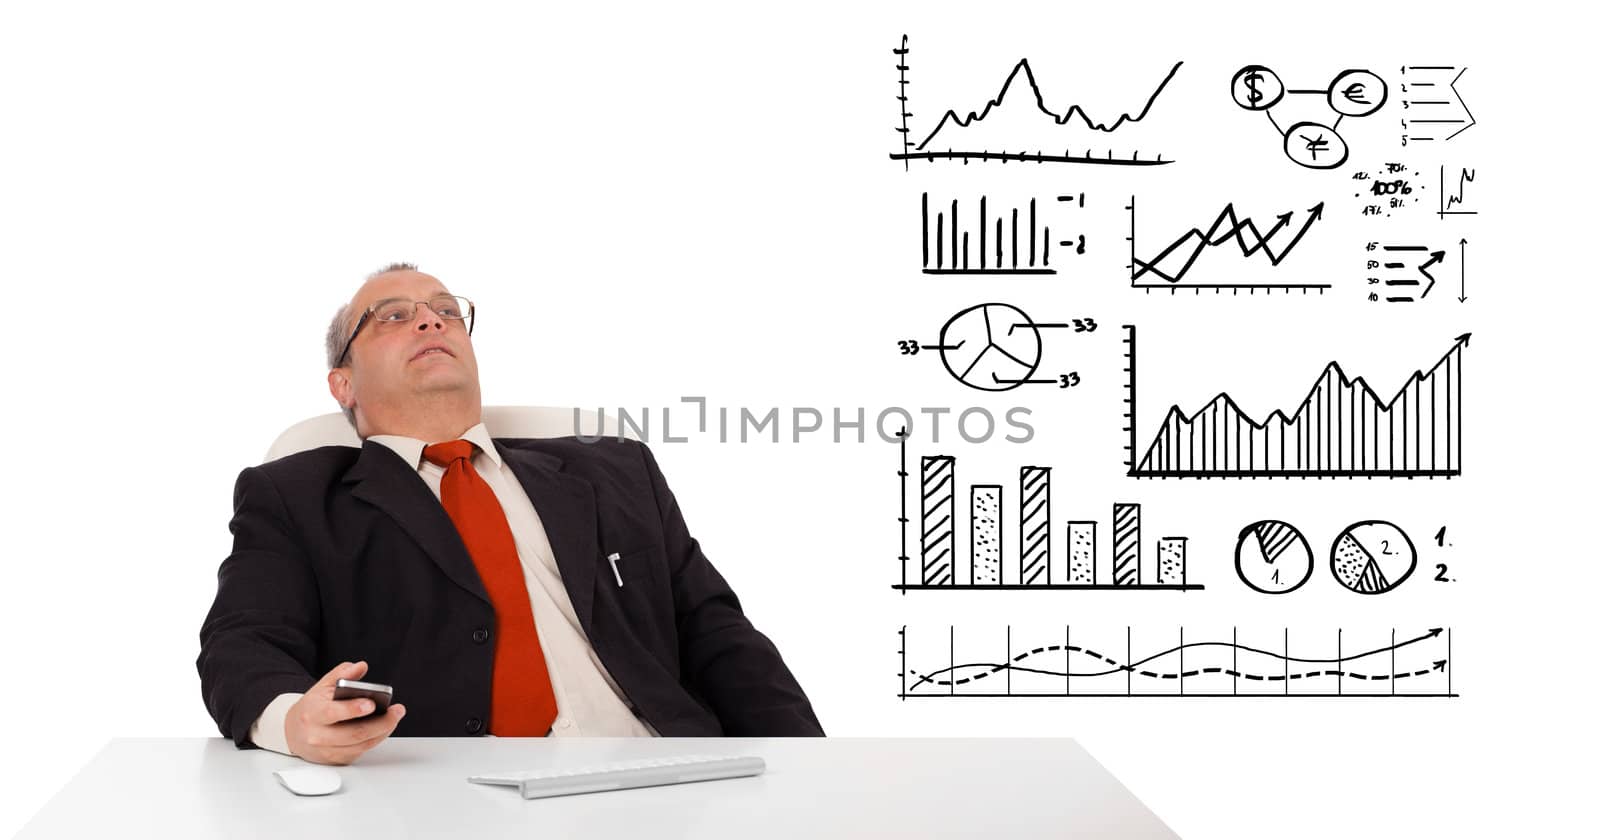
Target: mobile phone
{"x":379,"y":694}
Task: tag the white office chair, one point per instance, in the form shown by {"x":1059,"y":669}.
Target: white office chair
{"x":515,"y":421}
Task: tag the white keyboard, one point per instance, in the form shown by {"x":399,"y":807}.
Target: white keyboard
{"x":538,"y":784}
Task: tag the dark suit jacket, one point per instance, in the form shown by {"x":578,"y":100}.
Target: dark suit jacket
{"x":342,"y":554}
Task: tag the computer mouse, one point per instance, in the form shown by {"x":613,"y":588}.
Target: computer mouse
{"x":309,"y":780}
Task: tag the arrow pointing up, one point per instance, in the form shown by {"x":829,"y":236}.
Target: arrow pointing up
{"x":1434,"y":258}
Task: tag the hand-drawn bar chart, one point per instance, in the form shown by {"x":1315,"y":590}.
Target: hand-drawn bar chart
{"x":988,"y":563}
{"x":987,"y":239}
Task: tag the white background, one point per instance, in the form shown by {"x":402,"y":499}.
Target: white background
{"x":650,"y":203}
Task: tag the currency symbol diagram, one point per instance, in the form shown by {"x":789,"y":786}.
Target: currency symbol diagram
{"x":1315,"y":145}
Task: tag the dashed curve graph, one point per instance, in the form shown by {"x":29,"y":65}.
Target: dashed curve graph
{"x":1068,"y":669}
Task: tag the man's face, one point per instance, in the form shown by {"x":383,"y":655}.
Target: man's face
{"x":392,"y":362}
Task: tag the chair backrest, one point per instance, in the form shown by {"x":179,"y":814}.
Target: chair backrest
{"x":514,"y":421}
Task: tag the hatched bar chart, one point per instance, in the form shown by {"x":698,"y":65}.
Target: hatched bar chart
{"x":988,"y":560}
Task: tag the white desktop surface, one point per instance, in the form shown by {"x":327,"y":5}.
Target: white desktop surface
{"x":417,"y":787}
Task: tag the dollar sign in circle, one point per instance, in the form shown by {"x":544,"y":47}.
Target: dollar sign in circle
{"x":1255,"y":88}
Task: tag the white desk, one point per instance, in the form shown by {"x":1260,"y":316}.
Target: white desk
{"x":416,"y":787}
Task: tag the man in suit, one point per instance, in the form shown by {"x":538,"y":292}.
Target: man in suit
{"x":503,"y":586}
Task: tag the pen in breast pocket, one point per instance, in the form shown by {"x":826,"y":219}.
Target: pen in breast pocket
{"x":614,"y":557}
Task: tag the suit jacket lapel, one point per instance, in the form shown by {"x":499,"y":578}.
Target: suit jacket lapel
{"x":566,"y":506}
{"x":393,"y":486}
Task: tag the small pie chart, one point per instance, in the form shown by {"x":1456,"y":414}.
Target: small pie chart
{"x":1373,"y":557}
{"x":991,"y":347}
{"x":1272,"y":557}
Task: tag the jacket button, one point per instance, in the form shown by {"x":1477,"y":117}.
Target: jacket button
{"x":480,"y":635}
{"x":474,"y":726}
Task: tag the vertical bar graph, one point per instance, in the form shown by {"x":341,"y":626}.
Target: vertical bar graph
{"x":1171,"y":559}
{"x":1018,"y":243}
{"x":938,"y":520}
{"x":989,"y":561}
{"x":1125,"y":544}
{"x":1035,"y":524}
{"x":985,"y":541}
{"x":1081,"y":553}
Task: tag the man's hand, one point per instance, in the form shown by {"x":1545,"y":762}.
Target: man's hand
{"x":323,"y":730}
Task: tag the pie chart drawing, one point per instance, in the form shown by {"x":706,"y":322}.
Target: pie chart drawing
{"x":1272,"y":557}
{"x":1373,"y":557}
{"x":990,"y":347}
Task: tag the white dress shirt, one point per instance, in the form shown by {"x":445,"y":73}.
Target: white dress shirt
{"x":588,"y":701}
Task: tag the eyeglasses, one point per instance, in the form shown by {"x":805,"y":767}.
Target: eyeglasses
{"x":395,"y":310}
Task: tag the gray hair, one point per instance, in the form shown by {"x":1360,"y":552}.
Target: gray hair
{"x":339,"y":327}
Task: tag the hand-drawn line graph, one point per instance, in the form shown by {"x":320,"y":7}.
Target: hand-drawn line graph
{"x":1037,"y":567}
{"x":952,"y":129}
{"x":1059,"y":667}
{"x":1431,"y":110}
{"x":1168,"y":268}
{"x":1342,"y":429}
{"x":1352,"y":93}
{"x":1002,"y":251}
{"x":1448,"y":198}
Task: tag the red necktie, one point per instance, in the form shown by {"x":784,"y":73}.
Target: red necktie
{"x":522,"y":701}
